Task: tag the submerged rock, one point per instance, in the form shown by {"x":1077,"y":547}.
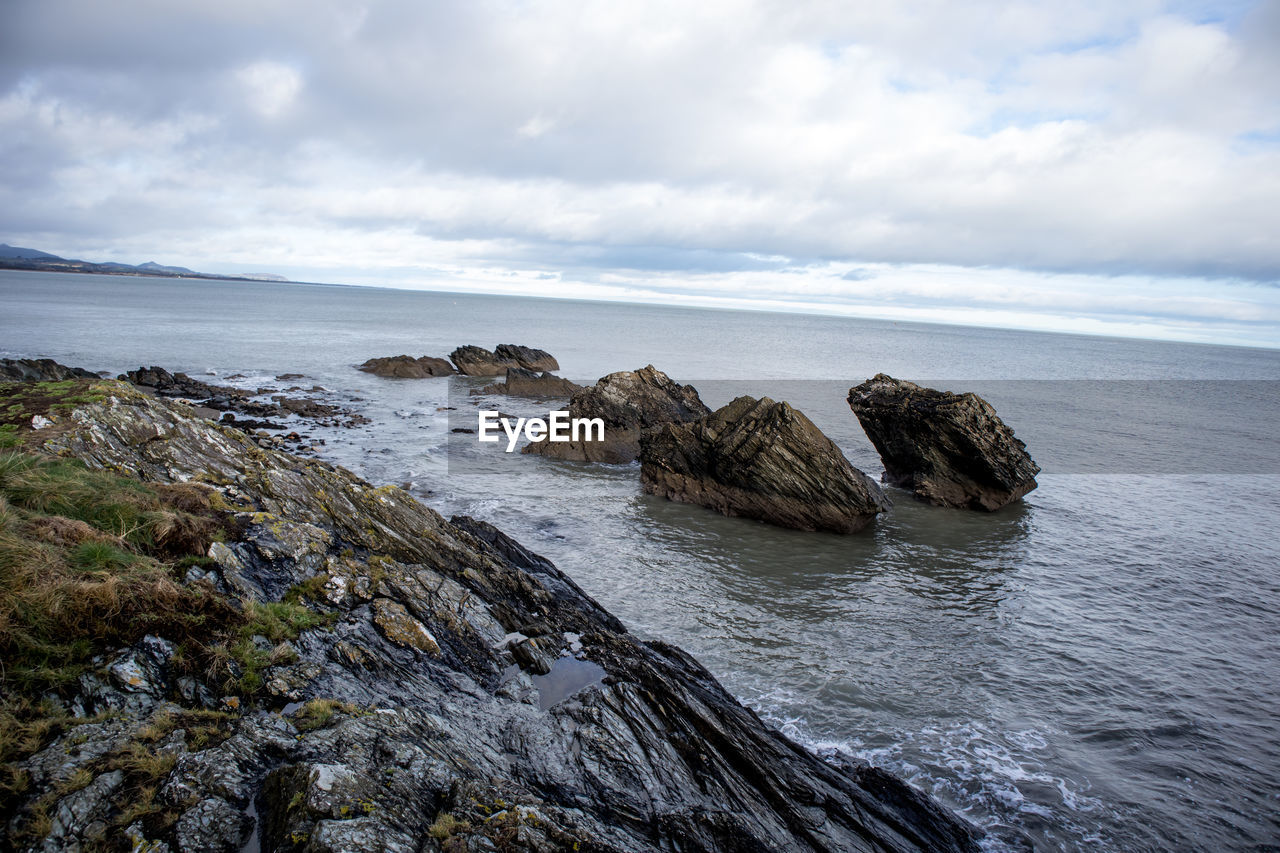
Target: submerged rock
{"x":407,"y":367}
{"x":530,"y":383}
{"x":629,"y":402}
{"x":477,"y":361}
{"x":39,"y":370}
{"x":405,"y":721}
{"x":763,"y":460}
{"x":949,"y":449}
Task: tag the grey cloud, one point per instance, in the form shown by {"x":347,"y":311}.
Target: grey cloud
{"x":644,"y":138}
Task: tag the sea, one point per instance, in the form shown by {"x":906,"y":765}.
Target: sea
{"x":1096,"y":667}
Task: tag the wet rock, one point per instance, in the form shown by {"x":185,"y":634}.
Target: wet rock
{"x":39,"y":370}
{"x":763,"y":460}
{"x":949,"y":449}
{"x":212,"y":826}
{"x":628,"y":402}
{"x":530,"y":383}
{"x":81,"y":816}
{"x":406,"y":748}
{"x":477,"y":361}
{"x":236,"y":401}
{"x":407,"y":367}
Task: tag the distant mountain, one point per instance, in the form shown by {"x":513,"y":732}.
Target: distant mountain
{"x":18,"y":258}
{"x":153,"y":266}
{"x":7,"y":251}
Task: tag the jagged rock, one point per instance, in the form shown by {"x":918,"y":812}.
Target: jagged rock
{"x":526,"y":357}
{"x":212,"y":826}
{"x":423,"y":750}
{"x":530,"y":383}
{"x":949,"y":449}
{"x":477,"y":361}
{"x":224,"y":398}
{"x":39,"y":370}
{"x":168,"y":384}
{"x":407,"y":367}
{"x":629,"y":402}
{"x":763,"y":460}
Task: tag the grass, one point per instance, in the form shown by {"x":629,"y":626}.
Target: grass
{"x":91,"y":561}
{"x":319,"y":713}
{"x":21,"y":401}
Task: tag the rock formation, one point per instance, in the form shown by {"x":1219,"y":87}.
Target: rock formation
{"x":225,"y":398}
{"x":526,"y":357}
{"x":949,"y":449}
{"x":763,"y":460}
{"x":629,"y":402}
{"x":477,"y":361}
{"x":530,"y":383}
{"x":407,"y":367}
{"x":375,"y":688}
{"x":39,"y":370}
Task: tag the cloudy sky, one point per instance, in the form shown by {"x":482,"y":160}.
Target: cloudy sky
{"x":1088,"y":166}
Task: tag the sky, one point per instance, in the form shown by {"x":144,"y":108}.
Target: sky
{"x":1098,"y":167}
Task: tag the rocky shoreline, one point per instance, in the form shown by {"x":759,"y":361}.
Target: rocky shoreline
{"x":341,"y":668}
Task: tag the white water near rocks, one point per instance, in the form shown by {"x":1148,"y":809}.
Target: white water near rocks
{"x":1097,"y":667}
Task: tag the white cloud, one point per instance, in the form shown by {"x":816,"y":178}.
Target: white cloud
{"x":270,"y":87}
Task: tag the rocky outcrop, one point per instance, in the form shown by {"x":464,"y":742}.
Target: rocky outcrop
{"x":238,"y":401}
{"x":526,"y":357}
{"x":763,"y":460}
{"x":530,"y":383}
{"x":39,"y":370}
{"x":407,"y":367}
{"x":409,"y":716}
{"x":949,"y":449}
{"x":628,"y":402}
{"x":477,"y":361}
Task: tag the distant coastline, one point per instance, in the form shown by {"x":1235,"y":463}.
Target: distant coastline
{"x":19,"y":258}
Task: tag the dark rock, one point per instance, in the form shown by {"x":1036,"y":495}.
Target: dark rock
{"x":407,"y":367}
{"x":224,"y":398}
{"x":629,"y":402}
{"x":248,"y":424}
{"x":477,"y":361}
{"x":288,"y":377}
{"x":441,"y":744}
{"x":763,"y":460}
{"x":39,"y":370}
{"x":949,"y":449}
{"x":530,"y":383}
{"x":526,"y":357}
{"x":168,"y":384}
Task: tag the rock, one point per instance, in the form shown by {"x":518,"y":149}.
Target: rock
{"x":39,"y":370}
{"x":530,"y":383}
{"x":223,"y":398}
{"x":949,"y":449}
{"x":477,"y":361}
{"x":629,"y":402}
{"x":407,"y":367}
{"x":526,"y":357}
{"x":409,"y":748}
{"x":212,"y":826}
{"x":402,"y":629}
{"x":763,"y":460}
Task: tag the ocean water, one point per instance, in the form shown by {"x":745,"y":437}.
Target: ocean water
{"x":1097,"y":667}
